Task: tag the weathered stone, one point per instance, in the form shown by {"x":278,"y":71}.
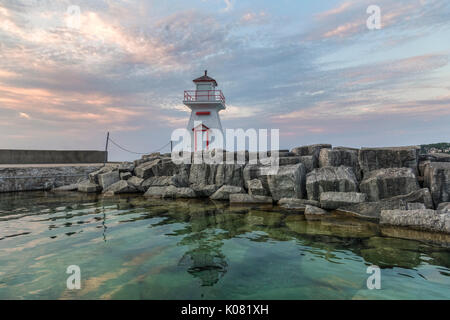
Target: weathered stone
{"x":145,"y":170}
{"x":224,"y":192}
{"x":337,"y":179}
{"x":157,"y":167}
{"x":252,"y":171}
{"x":120,"y":186}
{"x":435,"y":157}
{"x":311,"y":150}
{"x":204,"y":190}
{"x":334,"y":200}
{"x":247,"y":198}
{"x":444,"y":207}
{"x":126,"y":167}
{"x":437,"y":179}
{"x":125,"y":175}
{"x":393,"y":157}
{"x":415,"y":206}
{"x":136,"y":182}
{"x":256,"y":188}
{"x":297,"y":204}
{"x":373,"y":209}
{"x":155,"y":192}
{"x":310,"y":163}
{"x":88,"y":187}
{"x":389,"y":182}
{"x":107,"y":179}
{"x":70,"y":187}
{"x":164,"y":181}
{"x":93,"y":176}
{"x":340,"y":157}
{"x":422,"y":166}
{"x":229,"y":174}
{"x":185,"y":193}
{"x":202,"y":174}
{"x":417,"y":219}
{"x":314,"y":213}
{"x":288,"y":182}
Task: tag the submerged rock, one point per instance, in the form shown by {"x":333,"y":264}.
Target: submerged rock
{"x":297,"y":204}
{"x":314,"y":213}
{"x":334,"y":200}
{"x":418,"y":219}
{"x":247,"y":198}
{"x":389,"y":182}
{"x":337,"y":179}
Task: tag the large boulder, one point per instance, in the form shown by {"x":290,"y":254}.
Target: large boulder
{"x":147,"y":169}
{"x":429,"y":220}
{"x":297,"y":204}
{"x":93,"y":176}
{"x":136,"y":182}
{"x":202,"y":174}
{"x":257,"y":188}
{"x":334,"y":200}
{"x":437,"y":179}
{"x":314,"y":213}
{"x":107,"y":179}
{"x":372,"y":210}
{"x":121,"y":186}
{"x":253,"y":171}
{"x":229,"y":174}
{"x":170,"y":192}
{"x":392,"y":157}
{"x":337,"y":179}
{"x":340,"y":157}
{"x":310,"y":162}
{"x":164,"y":181}
{"x":386,"y":183}
{"x":88,"y":187}
{"x":247,"y":198}
{"x":444,"y":207}
{"x":224,"y":192}
{"x":288,"y":182}
{"x":310,"y":150}
{"x":202,"y":190}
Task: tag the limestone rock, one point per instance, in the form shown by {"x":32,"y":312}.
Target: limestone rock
{"x":415,"y":206}
{"x":202,"y":174}
{"x":310,"y":150}
{"x":297,"y":204}
{"x":126,"y":167}
{"x":373,"y":209}
{"x":88,"y":187}
{"x":340,"y":157}
{"x":225,"y":191}
{"x":70,"y":187}
{"x":125,"y":175}
{"x":444,"y":207}
{"x":136,"y":183}
{"x":120,"y":186}
{"x":229,"y":174}
{"x":107,"y":179}
{"x":256,"y":188}
{"x":337,"y":179}
{"x":155,"y":192}
{"x":253,"y":171}
{"x":288,"y":182}
{"x":314,"y":213}
{"x":164,"y":181}
{"x":334,"y":200}
{"x":429,"y":220}
{"x":185,"y":193}
{"x":247,"y":198}
{"x":437,"y":179}
{"x":93,"y":176}
{"x":386,"y":183}
{"x":310,"y":162}
{"x":392,"y":157}
{"x":204,"y":190}
{"x":435,"y":157}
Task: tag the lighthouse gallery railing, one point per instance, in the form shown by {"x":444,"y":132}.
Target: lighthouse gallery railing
{"x":204,"y":95}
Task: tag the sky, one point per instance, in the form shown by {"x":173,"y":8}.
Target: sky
{"x":312,"y":69}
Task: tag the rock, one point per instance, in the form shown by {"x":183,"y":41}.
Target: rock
{"x":229,"y":174}
{"x":340,"y":157}
{"x":314,"y":213}
{"x":204,"y":190}
{"x":93,"y":176}
{"x":256,"y":188}
{"x":415,"y":206}
{"x":224,"y":192}
{"x":88,"y":187}
{"x":185,"y":193}
{"x":202,"y":174}
{"x":435,"y":157}
{"x":310,"y":162}
{"x":125,"y":175}
{"x":311,"y":150}
{"x":147,"y":169}
{"x":337,"y":179}
{"x":334,"y":200}
{"x":437,"y":179}
{"x":422,"y":165}
{"x":386,"y":183}
{"x":253,"y":171}
{"x":155,"y":192}
{"x":164,"y":181}
{"x":288,"y":182}
{"x":297,"y":204}
{"x":126,"y":167}
{"x":373,"y":209}
{"x":107,"y":179}
{"x":247,"y":198}
{"x":426,"y":219}
{"x":444,"y":207}
{"x":393,"y":157}
{"x":70,"y":187}
{"x":136,"y":183}
{"x":120,"y":186}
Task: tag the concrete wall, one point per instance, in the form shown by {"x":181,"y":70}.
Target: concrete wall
{"x":28,"y":178}
{"x":51,"y":156}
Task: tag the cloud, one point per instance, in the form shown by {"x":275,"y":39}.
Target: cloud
{"x":24,"y":115}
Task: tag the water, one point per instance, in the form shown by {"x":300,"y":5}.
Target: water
{"x":134,"y":248}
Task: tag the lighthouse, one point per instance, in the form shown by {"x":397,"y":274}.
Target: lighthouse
{"x":205,"y":103}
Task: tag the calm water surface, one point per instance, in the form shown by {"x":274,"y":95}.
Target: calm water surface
{"x":134,"y":248}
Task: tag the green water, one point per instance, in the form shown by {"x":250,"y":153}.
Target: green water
{"x":133,"y":248}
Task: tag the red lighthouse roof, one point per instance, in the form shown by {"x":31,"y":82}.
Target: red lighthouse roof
{"x":205,"y":78}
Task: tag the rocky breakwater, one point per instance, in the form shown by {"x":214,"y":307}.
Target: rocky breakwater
{"x":395,"y":186}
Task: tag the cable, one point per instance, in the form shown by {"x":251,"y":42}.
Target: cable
{"x":125,"y":149}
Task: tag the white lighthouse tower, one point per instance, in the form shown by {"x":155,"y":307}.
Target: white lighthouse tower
{"x":205,"y":103}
